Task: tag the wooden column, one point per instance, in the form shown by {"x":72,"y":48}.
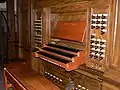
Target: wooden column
{"x":116,"y":57}
{"x":10,"y":17}
{"x":25,"y":30}
{"x":46,"y":30}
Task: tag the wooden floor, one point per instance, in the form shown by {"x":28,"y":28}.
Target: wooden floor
{"x":29,"y":78}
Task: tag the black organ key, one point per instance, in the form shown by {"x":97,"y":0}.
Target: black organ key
{"x":97,"y":27}
{"x":97,"y":22}
{"x":96,"y":52}
{"x":93,"y":17}
{"x":95,"y":57}
{"x":100,"y":58}
{"x":93,"y":22}
{"x":91,"y":46}
{"x":102,"y":27}
{"x":91,"y":51}
{"x":64,"y":47}
{"x":90,"y":55}
{"x":103,"y":22}
{"x":96,"y":42}
{"x":92,"y":41}
{"x":92,"y":36}
{"x":96,"y":47}
{"x":97,"y":17}
{"x":54,"y":57}
{"x":100,"y":53}
{"x":101,"y":43}
{"x":103,"y":17}
{"x":92,"y":27}
{"x":102,"y":32}
{"x":101,"y":48}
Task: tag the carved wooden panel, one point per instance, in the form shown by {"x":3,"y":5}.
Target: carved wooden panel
{"x":71,"y":7}
{"x":48,"y":3}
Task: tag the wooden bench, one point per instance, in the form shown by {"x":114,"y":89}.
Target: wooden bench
{"x":24,"y":78}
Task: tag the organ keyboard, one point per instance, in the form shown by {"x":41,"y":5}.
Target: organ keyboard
{"x":66,"y":57}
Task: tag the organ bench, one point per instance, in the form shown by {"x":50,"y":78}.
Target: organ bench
{"x":23,"y":78}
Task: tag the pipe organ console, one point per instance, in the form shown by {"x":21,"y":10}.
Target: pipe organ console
{"x":59,"y":50}
{"x":79,"y":43}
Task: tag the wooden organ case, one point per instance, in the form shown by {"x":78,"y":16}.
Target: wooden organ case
{"x":74,"y":41}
